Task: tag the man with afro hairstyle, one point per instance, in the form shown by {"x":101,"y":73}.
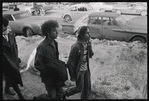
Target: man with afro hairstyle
{"x":53,"y":72}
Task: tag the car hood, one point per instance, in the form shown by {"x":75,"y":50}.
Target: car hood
{"x":137,"y":24}
{"x":36,"y":19}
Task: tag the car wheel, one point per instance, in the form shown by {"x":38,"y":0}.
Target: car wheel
{"x":143,"y":13}
{"x":118,"y":11}
{"x":67,"y":18}
{"x":28,"y":32}
{"x":140,"y":39}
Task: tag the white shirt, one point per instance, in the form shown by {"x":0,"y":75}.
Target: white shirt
{"x":6,"y":36}
{"x":5,"y":33}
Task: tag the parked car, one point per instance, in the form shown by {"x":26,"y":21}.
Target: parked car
{"x":112,"y":26}
{"x":132,"y":8}
{"x":41,"y":8}
{"x":101,"y":6}
{"x":7,"y":6}
{"x":76,"y":11}
{"x":21,"y":22}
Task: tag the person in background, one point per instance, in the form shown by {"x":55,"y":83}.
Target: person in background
{"x":16,"y":8}
{"x":53,"y":71}
{"x":78,"y":64}
{"x":10,"y":60}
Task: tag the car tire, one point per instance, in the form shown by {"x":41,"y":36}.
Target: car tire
{"x":143,"y":13}
{"x":140,"y":39}
{"x":118,"y":11}
{"x":67,"y":18}
{"x":28,"y":32}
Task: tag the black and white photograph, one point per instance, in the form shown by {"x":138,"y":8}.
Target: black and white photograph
{"x":74,"y":50}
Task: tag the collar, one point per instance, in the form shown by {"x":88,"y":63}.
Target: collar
{"x":48,"y":41}
{"x":81,"y":42}
{"x":7,"y":31}
{"x":84,"y":44}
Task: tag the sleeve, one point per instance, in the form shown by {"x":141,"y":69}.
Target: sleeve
{"x":16,"y":46}
{"x":54,"y":64}
{"x":72,"y":63}
{"x":91,"y":53}
{"x":39,"y":65}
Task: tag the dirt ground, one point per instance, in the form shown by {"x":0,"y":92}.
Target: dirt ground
{"x":118,"y":69}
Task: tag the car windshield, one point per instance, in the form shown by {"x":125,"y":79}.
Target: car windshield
{"x":22,"y":15}
{"x":90,"y":8}
{"x":121,"y":20}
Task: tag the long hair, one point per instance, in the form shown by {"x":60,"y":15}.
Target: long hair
{"x":81,"y":32}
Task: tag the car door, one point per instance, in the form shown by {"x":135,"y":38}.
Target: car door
{"x":95,"y":26}
{"x":111,"y":30}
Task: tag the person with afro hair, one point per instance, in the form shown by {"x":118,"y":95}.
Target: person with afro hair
{"x":53,"y":71}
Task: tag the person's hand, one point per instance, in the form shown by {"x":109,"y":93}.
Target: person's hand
{"x":73,"y":83}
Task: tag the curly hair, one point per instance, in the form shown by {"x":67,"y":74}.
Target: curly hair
{"x":81,"y":32}
{"x":48,"y":25}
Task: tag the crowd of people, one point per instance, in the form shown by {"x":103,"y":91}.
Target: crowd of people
{"x":53,"y":71}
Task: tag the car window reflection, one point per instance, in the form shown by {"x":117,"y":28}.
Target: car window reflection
{"x":108,"y":21}
{"x":95,"y":20}
{"x":73,"y":9}
{"x":82,"y":9}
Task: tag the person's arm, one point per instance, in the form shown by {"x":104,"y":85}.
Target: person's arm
{"x":16,"y":46}
{"x":8,"y":60}
{"x":91,"y":53}
{"x":52,"y":63}
{"x":15,"y":43}
{"x":39,"y":58}
{"x":71,"y":63}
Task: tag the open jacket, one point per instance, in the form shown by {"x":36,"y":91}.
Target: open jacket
{"x":48,"y":63}
{"x":10,"y":60}
{"x":75,"y":58}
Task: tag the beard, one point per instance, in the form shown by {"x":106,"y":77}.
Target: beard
{"x":53,"y":36}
